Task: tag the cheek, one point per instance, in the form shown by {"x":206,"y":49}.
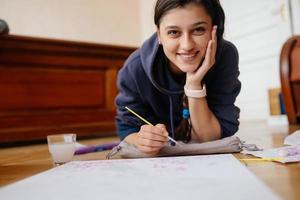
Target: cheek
{"x":202,"y":45}
{"x":169,"y":47}
{"x":203,"y":42}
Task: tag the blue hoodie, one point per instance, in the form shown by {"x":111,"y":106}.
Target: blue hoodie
{"x":146,"y":86}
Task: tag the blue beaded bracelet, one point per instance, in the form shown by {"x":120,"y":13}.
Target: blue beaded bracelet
{"x":185,"y":113}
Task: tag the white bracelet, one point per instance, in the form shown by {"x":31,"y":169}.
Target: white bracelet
{"x":195,"y":93}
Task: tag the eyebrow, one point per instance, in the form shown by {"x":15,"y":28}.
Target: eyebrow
{"x":199,"y":23}
{"x":196,"y":24}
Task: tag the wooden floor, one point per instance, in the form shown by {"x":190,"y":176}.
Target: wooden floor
{"x":17,"y":163}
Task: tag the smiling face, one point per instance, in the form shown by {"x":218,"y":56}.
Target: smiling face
{"x":184,"y":33}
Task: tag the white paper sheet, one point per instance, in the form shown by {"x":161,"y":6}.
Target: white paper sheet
{"x":280,"y":154}
{"x":293,"y":138}
{"x":189,"y":177}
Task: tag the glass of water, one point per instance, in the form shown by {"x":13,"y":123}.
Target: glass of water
{"x":61,"y":147}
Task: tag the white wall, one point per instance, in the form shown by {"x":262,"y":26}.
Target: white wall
{"x":101,"y":21}
{"x":258,"y":29}
{"x":147,"y":18}
{"x":295,"y":7}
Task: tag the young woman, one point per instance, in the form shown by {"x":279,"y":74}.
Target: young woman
{"x":183,"y":79}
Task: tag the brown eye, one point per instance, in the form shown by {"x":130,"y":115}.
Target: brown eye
{"x":173,"y":33}
{"x":199,"y":30}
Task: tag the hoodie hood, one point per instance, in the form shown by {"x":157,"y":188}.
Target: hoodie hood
{"x":152,"y":60}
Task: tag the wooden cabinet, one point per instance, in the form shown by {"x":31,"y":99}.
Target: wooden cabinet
{"x":53,"y":86}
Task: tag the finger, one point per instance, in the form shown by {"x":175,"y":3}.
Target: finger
{"x":164,"y":129}
{"x":214,"y":43}
{"x":214,"y":33}
{"x":151,"y":136}
{"x":161,"y":126}
{"x":207,"y":58}
{"x":152,"y":143}
{"x":160,"y":132}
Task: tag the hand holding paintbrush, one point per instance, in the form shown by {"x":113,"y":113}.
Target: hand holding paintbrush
{"x":150,"y":138}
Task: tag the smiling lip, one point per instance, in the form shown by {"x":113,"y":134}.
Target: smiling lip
{"x":187,"y":57}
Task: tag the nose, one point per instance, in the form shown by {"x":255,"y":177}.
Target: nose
{"x":187,"y":43}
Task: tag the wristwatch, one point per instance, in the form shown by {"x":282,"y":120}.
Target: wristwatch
{"x":195,"y":93}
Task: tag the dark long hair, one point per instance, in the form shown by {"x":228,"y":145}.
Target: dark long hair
{"x":216,"y":12}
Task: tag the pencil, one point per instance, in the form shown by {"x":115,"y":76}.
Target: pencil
{"x":261,"y":159}
{"x":144,"y":120}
